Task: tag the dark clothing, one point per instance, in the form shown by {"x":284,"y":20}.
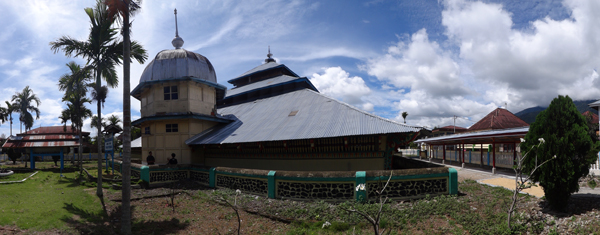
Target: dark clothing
{"x":173,"y":161}
{"x":150,"y":160}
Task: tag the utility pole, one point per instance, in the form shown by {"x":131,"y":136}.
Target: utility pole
{"x":454,"y":124}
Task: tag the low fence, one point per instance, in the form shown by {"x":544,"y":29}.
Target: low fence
{"x":503,"y":159}
{"x":66,"y":157}
{"x":409,"y":152}
{"x":308,"y":185}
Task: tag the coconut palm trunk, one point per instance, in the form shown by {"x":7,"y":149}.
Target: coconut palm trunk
{"x":126,"y":170}
{"x":99,"y":138}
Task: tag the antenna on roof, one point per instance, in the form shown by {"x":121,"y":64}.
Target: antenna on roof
{"x":177,"y":41}
{"x":269,"y":59}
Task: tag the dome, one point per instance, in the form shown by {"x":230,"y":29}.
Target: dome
{"x":178,"y":64}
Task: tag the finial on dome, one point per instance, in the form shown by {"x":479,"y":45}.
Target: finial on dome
{"x":177,"y":41}
{"x":269,"y":59}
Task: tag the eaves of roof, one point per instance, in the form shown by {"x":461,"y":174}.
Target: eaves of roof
{"x":137,"y":91}
{"x":298,"y":80}
{"x":477,"y":137}
{"x":182,"y":116}
{"x":232,"y":81}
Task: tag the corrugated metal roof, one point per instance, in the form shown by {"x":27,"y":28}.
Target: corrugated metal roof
{"x":595,"y":105}
{"x":263,"y":83}
{"x":39,"y":144}
{"x":317,"y":116}
{"x":477,"y":135}
{"x":261,"y":68}
{"x":178,"y":63}
{"x":52,"y":130}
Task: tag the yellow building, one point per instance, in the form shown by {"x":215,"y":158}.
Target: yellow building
{"x":178,"y":91}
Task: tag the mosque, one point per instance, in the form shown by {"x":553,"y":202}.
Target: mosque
{"x":271,"y":119}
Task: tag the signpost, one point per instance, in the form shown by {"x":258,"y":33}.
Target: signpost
{"x":108,"y":149}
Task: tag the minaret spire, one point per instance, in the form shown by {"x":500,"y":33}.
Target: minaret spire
{"x":177,"y":41}
{"x":269,"y":59}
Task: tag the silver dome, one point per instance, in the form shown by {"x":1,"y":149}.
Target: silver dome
{"x":178,"y":63}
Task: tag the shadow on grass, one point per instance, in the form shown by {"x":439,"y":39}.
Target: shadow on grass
{"x":86,"y":222}
{"x":578,"y":204}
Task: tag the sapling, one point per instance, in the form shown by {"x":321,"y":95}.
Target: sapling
{"x":520,"y":183}
{"x":377,"y":219}
{"x":235,"y":208}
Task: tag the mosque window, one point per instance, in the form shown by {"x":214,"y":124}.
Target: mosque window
{"x":172,"y":128}
{"x":171,"y":93}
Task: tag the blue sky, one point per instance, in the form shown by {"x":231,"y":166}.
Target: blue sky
{"x":432,"y":59}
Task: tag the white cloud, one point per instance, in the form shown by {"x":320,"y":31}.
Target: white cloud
{"x":337,"y":83}
{"x":418,"y":64}
{"x":553,"y":57}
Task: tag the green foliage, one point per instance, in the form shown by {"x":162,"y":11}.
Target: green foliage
{"x":566,"y":135}
{"x":592,"y":183}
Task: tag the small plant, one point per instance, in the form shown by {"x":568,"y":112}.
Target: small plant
{"x":520,"y":183}
{"x":592,"y":183}
{"x":235,"y":208}
{"x":375,"y":221}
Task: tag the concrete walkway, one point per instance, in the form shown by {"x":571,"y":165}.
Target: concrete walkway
{"x":503,"y":178}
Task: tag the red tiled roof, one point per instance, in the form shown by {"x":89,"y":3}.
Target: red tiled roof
{"x":594,"y":116}
{"x":37,"y":144}
{"x":498,"y":119}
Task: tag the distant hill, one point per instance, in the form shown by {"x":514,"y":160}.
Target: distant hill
{"x":528,"y":115}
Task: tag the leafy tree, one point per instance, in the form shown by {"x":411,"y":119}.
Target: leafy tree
{"x":103,"y":51}
{"x":404,"y":115}
{"x":566,"y":134}
{"x":113,"y":120}
{"x":24,"y":102}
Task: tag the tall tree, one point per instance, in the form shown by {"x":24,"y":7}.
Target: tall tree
{"x":24,"y":102}
{"x":74,"y":84}
{"x":10,"y":108}
{"x":404,"y":115}
{"x":103,"y":51}
{"x":565,"y":132}
{"x":125,"y":9}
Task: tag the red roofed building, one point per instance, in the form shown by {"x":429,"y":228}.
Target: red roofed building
{"x":45,"y":141}
{"x":594,"y":116}
{"x":498,"y":119}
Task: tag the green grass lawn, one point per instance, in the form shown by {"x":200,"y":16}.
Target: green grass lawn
{"x":47,"y":201}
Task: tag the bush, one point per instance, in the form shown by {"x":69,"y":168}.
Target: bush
{"x":566,"y":133}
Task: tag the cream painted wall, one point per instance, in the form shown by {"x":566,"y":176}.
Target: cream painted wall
{"x":162,"y":143}
{"x":357,"y":164}
{"x":193,"y":97}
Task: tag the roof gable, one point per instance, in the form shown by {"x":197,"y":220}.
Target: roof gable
{"x":498,"y":119}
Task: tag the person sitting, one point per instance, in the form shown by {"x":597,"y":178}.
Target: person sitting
{"x":150,"y":159}
{"x":173,"y":161}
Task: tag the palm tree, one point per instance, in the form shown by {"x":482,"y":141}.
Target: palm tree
{"x":125,"y":9}
{"x":24,"y":102}
{"x":75,"y":87}
{"x":113,"y":120}
{"x":404,"y":115}
{"x":10,"y":108}
{"x":103,"y":51}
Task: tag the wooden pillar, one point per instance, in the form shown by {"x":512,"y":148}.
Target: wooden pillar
{"x":444,"y":154}
{"x":514,"y":153}
{"x":481,"y":155}
{"x":463,"y":154}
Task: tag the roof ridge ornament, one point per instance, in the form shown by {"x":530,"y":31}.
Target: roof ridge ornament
{"x":269,"y":59}
{"x":177,"y":41}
